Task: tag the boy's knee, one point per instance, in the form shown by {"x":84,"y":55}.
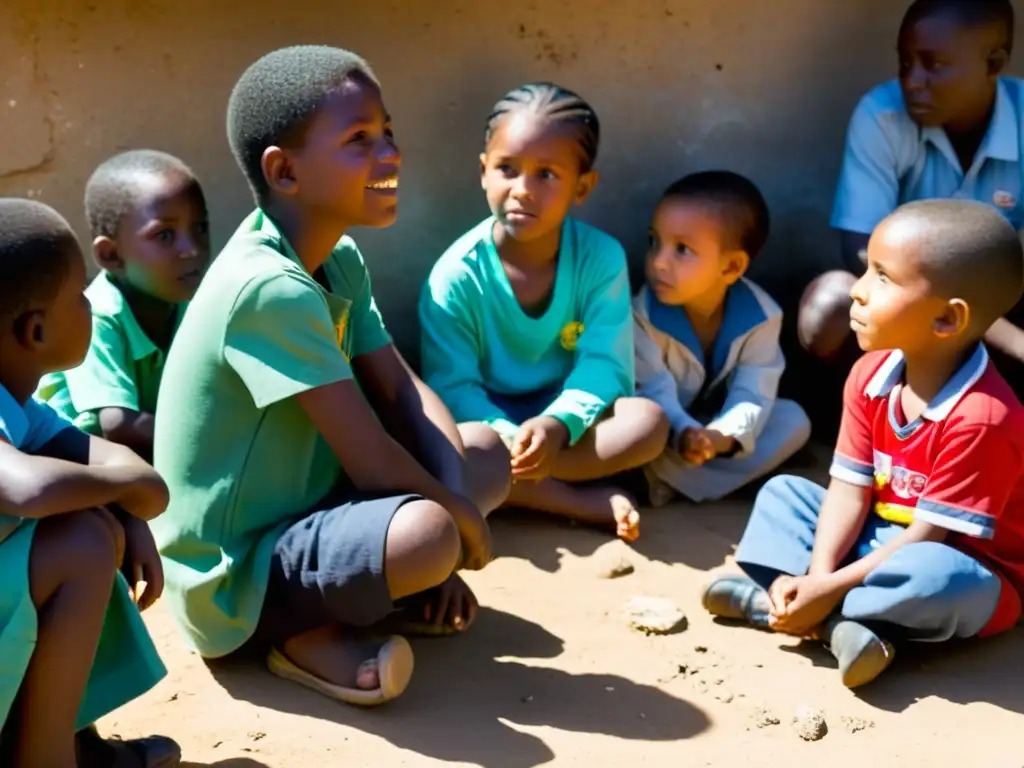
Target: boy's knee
{"x":436,"y":533}
{"x":798,"y":423}
{"x":823,"y":322}
{"x":649,"y":421}
{"x":86,"y":542}
{"x":777,"y":494}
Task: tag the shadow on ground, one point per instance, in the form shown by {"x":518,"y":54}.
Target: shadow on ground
{"x":469,"y":695}
{"x":700,"y":536}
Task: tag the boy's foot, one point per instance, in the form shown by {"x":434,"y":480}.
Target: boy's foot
{"x":739,"y":599}
{"x":93,"y":751}
{"x":627,"y":517}
{"x":336,"y":665}
{"x":598,"y":506}
{"x":862,"y":655}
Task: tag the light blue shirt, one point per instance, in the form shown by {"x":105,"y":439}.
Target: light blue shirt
{"x":28,"y":428}
{"x":890,"y":160}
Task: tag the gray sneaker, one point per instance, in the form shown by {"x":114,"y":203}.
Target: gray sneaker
{"x":862,"y":655}
{"x":737,"y":598}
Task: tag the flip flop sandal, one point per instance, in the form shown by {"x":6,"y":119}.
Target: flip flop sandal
{"x":732,"y":597}
{"x":394,"y":668}
{"x":93,"y":751}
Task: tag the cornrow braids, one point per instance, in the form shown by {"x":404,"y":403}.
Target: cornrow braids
{"x":554,"y":103}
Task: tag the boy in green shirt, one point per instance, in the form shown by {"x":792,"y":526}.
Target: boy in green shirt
{"x":72,"y":513}
{"x":150,"y":230}
{"x":314,"y":479}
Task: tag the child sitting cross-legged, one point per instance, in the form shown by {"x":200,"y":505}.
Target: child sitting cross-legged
{"x":73,"y":513}
{"x":707,"y":342}
{"x":920,"y":534}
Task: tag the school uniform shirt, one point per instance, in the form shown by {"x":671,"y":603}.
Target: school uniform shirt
{"x":121,"y":370}
{"x":126,"y":663}
{"x":742,"y":372}
{"x":240,"y":456}
{"x":891,"y":160}
{"x":959,"y":466}
{"x":477,"y":339}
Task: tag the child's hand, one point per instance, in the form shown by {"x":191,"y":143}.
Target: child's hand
{"x":801,"y":604}
{"x":477,"y":546}
{"x":535,"y":447}
{"x":142,"y":567}
{"x":453,"y":603}
{"x":696,"y":446}
{"x":723,"y":444}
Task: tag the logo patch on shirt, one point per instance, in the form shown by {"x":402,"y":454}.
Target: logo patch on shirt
{"x":1004,"y":200}
{"x":570,"y":335}
{"x":341,"y":327}
{"x":895,"y":484}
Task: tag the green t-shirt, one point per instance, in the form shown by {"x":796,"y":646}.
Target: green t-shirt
{"x":121,"y":370}
{"x":239,"y":454}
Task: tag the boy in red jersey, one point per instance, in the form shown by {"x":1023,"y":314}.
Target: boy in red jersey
{"x":920,"y":534}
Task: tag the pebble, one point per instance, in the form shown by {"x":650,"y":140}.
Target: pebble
{"x":655,"y":616}
{"x":725,"y":697}
{"x":810,"y":723}
{"x":762,"y":717}
{"x":855,"y":724}
{"x":611,"y":561}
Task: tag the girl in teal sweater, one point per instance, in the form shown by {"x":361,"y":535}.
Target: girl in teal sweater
{"x":527,"y":324}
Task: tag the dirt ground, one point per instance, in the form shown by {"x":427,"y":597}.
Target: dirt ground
{"x":551,"y":674}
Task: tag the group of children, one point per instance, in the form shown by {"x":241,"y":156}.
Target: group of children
{"x":313,"y":494}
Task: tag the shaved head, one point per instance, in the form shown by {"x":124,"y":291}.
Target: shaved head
{"x":966,"y":250}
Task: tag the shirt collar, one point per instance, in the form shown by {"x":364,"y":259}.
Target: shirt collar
{"x":890,"y":373}
{"x":13,"y":419}
{"x":107,"y":299}
{"x":1001,"y":141}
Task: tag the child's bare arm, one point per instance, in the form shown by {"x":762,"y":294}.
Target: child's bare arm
{"x":36,"y":486}
{"x":839,"y":524}
{"x":375,"y":461}
{"x":127,"y":427}
{"x":854,"y":574}
{"x":412,"y":413}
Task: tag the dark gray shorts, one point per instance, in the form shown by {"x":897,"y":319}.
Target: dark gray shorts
{"x":328,"y":568}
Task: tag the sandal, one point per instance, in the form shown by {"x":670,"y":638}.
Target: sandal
{"x":93,"y":751}
{"x":394,"y":669}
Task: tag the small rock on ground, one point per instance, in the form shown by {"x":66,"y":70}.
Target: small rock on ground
{"x":762,"y":717}
{"x":655,"y":616}
{"x":611,"y":561}
{"x":810,"y":723}
{"x":855,"y":724}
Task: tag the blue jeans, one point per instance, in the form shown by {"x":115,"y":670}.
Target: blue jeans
{"x":926,"y":591}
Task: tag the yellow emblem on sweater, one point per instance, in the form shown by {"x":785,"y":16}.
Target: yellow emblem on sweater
{"x":341,"y":327}
{"x":570,"y":335}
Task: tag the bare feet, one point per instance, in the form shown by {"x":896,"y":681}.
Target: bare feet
{"x":603,"y":507}
{"x":330,"y":654}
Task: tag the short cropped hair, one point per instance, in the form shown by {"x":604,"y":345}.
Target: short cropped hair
{"x":969,"y":251}
{"x":556,"y":105}
{"x":275,"y":98}
{"x":36,"y":247}
{"x":742,"y":204}
{"x":112,"y":192}
{"x":968,"y":13}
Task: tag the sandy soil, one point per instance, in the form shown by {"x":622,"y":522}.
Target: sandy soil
{"x":551,"y":674}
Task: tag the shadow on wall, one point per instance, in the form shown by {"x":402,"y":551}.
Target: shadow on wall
{"x":479,"y":699}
